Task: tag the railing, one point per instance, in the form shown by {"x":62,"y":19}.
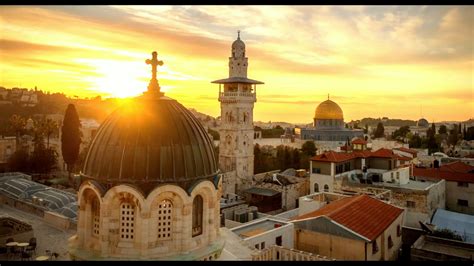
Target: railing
{"x":278,"y":253}
{"x":237,"y":94}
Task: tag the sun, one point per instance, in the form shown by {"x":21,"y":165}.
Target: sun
{"x":118,"y":79}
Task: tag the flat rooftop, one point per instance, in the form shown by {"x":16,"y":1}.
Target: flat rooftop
{"x":443,"y":248}
{"x":257,"y":228}
{"x":414,"y":185}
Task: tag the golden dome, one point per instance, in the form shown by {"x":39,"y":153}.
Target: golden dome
{"x":328,"y":110}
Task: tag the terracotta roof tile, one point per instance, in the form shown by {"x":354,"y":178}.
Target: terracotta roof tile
{"x":332,"y":156}
{"x":407,"y":150}
{"x":458,"y":167}
{"x":440,"y":173}
{"x":362,"y":214}
{"x":359,"y":141}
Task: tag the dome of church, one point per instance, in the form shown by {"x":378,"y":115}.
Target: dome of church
{"x":150,"y":141}
{"x":328,"y":110}
{"x":422,"y":123}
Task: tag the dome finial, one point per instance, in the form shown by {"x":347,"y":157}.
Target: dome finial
{"x":238,"y":35}
{"x":328,"y":96}
{"x":153,"y":86}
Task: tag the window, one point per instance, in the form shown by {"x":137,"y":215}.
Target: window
{"x":326,"y":188}
{"x":165,"y":219}
{"x":390,"y":242}
{"x":316,"y":187}
{"x":462,"y":202}
{"x":375,"y":247}
{"x":398,"y":175}
{"x":463,"y":184}
{"x":127,"y":217}
{"x":262,"y":245}
{"x":278,"y":240}
{"x":197,"y":215}
{"x":410,"y":204}
{"x":95,"y":209}
{"x":316,"y":170}
{"x":339,"y":169}
{"x":399,"y":230}
{"x":256,"y":246}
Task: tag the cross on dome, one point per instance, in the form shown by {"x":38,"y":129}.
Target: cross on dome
{"x":153,"y":86}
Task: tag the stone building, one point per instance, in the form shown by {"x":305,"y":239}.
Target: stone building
{"x":459,"y":184}
{"x":338,"y":171}
{"x":150,"y":185}
{"x":351,"y":228}
{"x":328,"y":125}
{"x":237,"y":95}
{"x":7,"y":148}
{"x":278,"y":191}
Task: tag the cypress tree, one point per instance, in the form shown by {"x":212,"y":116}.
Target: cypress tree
{"x":70,"y":138}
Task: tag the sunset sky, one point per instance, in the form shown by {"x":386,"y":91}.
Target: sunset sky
{"x":374,"y":61}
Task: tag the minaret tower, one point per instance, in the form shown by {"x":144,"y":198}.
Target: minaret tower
{"x":237,"y":95}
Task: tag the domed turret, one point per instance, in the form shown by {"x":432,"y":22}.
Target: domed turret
{"x":238,"y":47}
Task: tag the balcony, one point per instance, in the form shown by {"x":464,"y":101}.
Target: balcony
{"x":237,"y":96}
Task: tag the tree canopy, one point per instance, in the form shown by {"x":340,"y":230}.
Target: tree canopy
{"x":70,"y":137}
{"x":379,"y":131}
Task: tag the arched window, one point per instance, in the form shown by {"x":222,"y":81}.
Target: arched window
{"x":165,"y":219}
{"x":326,"y":188}
{"x":316,"y":187}
{"x":197,"y":215}
{"x":127,"y":220}
{"x":95,"y":214}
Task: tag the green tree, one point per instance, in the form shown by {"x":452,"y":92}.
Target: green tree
{"x":401,"y":133}
{"x":19,"y":161}
{"x":379,"y":131}
{"x":415,"y":141}
{"x":49,"y":127}
{"x":453,"y":136}
{"x":296,"y":158}
{"x":71,"y":138}
{"x":470,"y":133}
{"x":17,"y":123}
{"x":309,"y":148}
{"x":431,"y":140}
{"x":43,"y":159}
{"x":442,"y":129}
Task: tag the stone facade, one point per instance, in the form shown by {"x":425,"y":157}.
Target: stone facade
{"x":237,"y":97}
{"x":147,"y":233}
{"x":334,"y":246}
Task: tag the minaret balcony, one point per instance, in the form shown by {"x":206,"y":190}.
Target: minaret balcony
{"x":237,"y":96}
